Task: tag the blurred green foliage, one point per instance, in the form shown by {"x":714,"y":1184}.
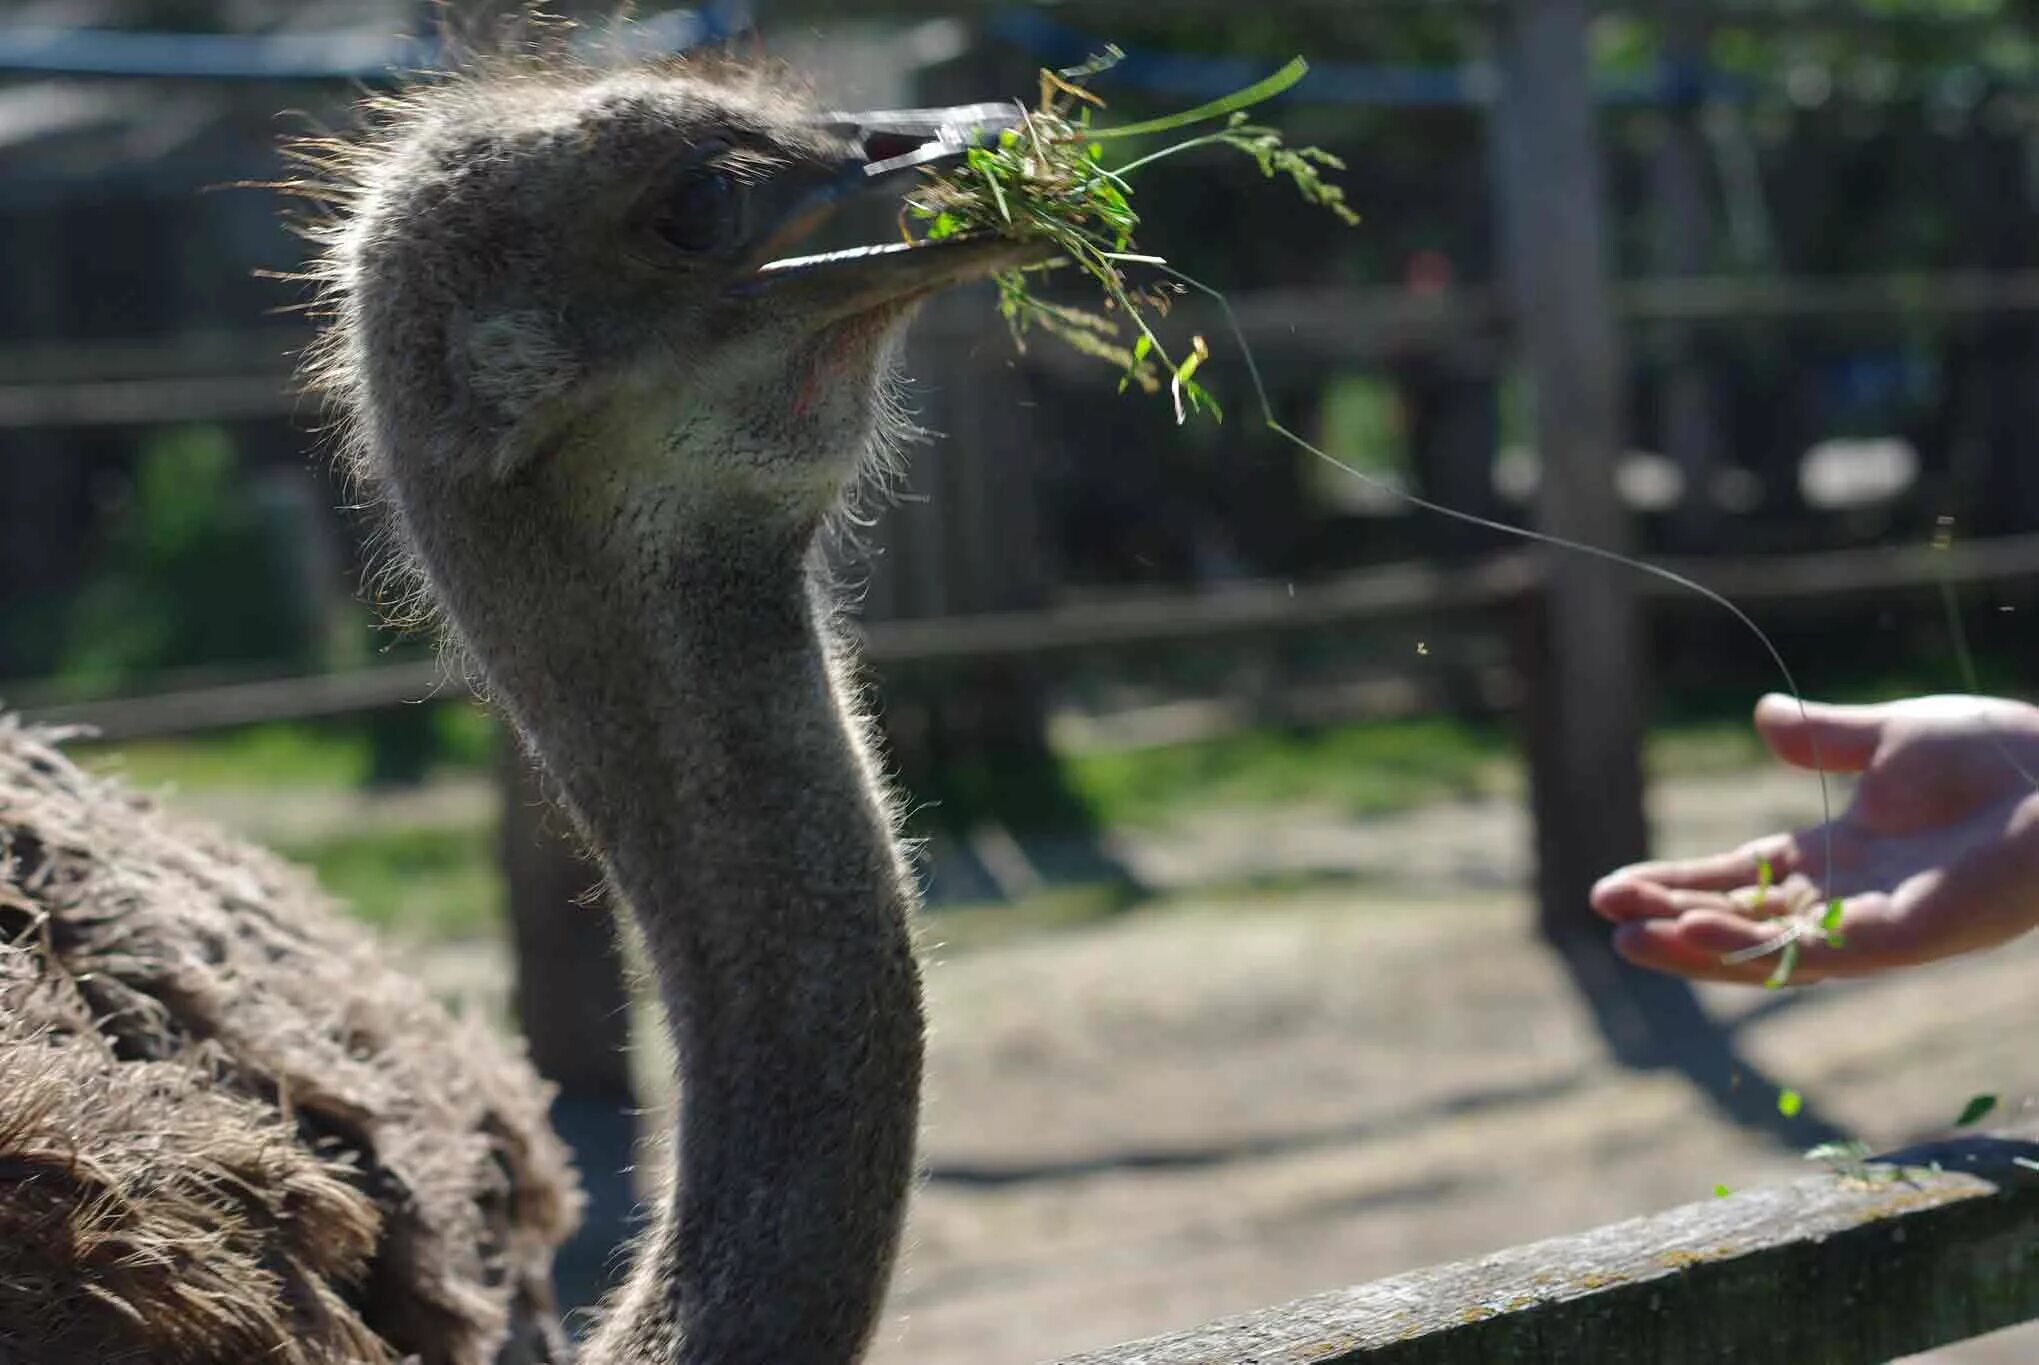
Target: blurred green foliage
{"x":428,"y":884}
{"x":1362,"y":414}
{"x":191,"y":573}
{"x":1362,"y":769}
{"x":332,"y":755}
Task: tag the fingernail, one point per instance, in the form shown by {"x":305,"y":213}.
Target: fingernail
{"x":1631,"y":939}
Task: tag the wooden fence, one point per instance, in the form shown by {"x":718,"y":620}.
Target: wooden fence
{"x":1918,"y":1249}
{"x":1120,"y":622}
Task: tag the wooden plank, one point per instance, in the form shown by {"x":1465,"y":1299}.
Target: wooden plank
{"x":1873,"y":569}
{"x":1721,"y":298}
{"x":1129,"y":621}
{"x":173,"y":379}
{"x":252,"y":703}
{"x":1166,"y":617}
{"x":149,"y":402}
{"x":1374,"y":320}
{"x":1828,"y":1269}
{"x":1580,"y":652}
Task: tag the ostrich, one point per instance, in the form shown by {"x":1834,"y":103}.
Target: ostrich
{"x":229,"y":1130}
{"x":608,"y":419}
{"x":607,"y":416}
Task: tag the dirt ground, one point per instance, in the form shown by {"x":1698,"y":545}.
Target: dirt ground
{"x":1183,"y":1115}
{"x":1231,"y":1100}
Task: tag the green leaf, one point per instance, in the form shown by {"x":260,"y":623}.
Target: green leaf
{"x":1830,"y":923}
{"x":1045,"y":184}
{"x":1975,"y":1109}
{"x":1787,"y":962}
{"x":1720,"y":1191}
{"x":1183,"y":388}
{"x":1217,"y":108}
{"x":1789,"y":1102}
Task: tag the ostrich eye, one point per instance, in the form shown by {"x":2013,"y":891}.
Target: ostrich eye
{"x":701,"y":214}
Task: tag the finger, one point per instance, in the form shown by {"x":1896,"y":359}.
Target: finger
{"x":1692,"y":948}
{"x":1702,"y":943}
{"x":1820,"y":735}
{"x":1621,"y":899}
{"x":1636,"y":891}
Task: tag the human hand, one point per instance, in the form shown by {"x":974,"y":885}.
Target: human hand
{"x":1936,"y":854}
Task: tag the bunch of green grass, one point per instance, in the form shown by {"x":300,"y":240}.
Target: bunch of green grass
{"x":1048,"y":181}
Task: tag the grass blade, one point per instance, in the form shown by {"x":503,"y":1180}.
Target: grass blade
{"x":1217,"y":108}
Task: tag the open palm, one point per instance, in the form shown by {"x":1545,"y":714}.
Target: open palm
{"x":1936,"y":854}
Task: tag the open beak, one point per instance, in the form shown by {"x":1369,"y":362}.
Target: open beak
{"x":890,"y":152}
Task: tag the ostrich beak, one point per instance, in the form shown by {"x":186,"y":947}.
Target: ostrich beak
{"x":890,"y":151}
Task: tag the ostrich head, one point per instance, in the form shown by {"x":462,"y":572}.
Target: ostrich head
{"x":606,"y":407}
{"x":579,"y":316}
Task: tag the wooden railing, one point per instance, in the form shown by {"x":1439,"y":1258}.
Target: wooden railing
{"x":1918,"y":1249}
{"x":212,"y":378}
{"x":1125,"y":621}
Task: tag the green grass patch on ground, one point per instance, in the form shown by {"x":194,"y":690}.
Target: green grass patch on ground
{"x":461,"y":736}
{"x":258,"y":756}
{"x":964,"y":928}
{"x":1702,"y":747}
{"x":1364,"y":769}
{"x":421,"y":885}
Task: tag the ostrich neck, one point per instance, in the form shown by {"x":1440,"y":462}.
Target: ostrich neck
{"x":723,"y":777}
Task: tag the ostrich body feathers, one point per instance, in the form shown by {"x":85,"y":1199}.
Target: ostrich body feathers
{"x":229,"y":1130}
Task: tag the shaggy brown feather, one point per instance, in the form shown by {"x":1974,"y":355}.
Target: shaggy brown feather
{"x":229,"y":1131}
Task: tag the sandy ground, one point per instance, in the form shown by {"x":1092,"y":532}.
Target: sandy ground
{"x":1230,"y":1100}
{"x":1348,"y":1088}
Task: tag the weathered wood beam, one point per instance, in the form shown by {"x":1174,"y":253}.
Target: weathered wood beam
{"x":1581,"y":650}
{"x":1829,"y":1269}
{"x":155,"y":383}
{"x":1127,"y":621}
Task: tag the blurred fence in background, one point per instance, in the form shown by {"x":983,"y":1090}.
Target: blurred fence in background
{"x":1820,"y":256}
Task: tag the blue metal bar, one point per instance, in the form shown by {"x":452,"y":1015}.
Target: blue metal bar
{"x":1189,"y":77}
{"x":300,"y":56}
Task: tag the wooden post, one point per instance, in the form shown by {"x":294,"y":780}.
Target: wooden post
{"x":570,"y":1002}
{"x":1584,"y":666}
{"x":574,"y":1013}
{"x":975,"y":544}
{"x":1680,"y":237}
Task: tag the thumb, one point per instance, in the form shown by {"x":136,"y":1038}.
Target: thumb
{"x":1840,"y":739}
